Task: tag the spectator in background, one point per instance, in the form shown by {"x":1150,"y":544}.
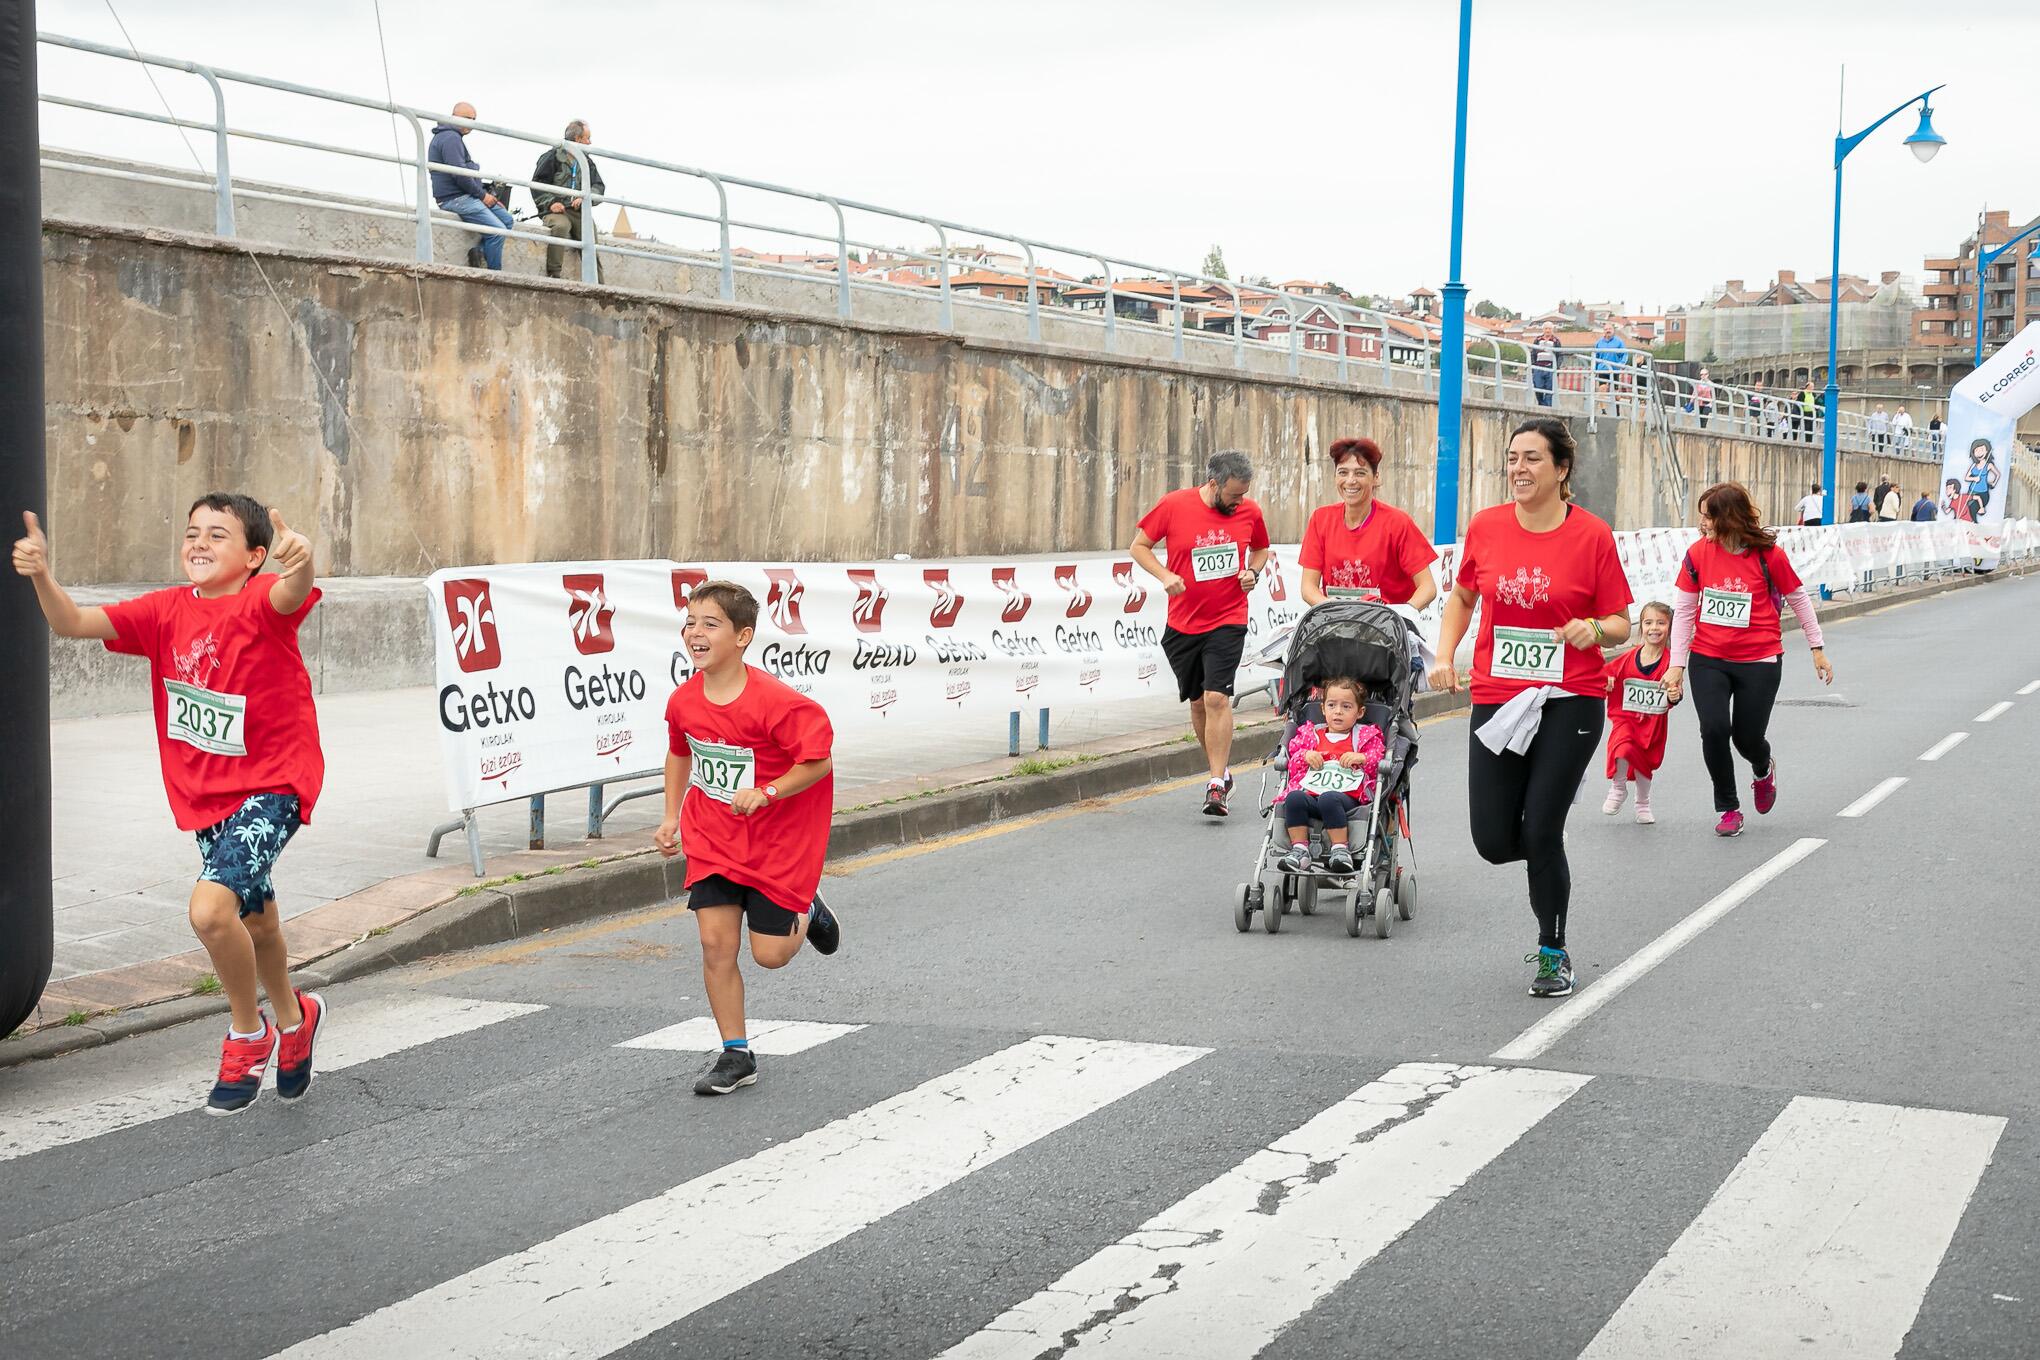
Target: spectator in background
{"x":1544,"y":364}
{"x":1880,"y":432}
{"x":1774,"y":415}
{"x":1890,"y":505}
{"x":1810,"y":507}
{"x":465,"y":196}
{"x":1934,"y":435}
{"x":1802,"y":424}
{"x":561,"y":212}
{"x":1703,"y":397}
{"x":1609,"y":364}
{"x":1923,"y":509}
{"x":1859,"y":504}
{"x":1901,"y":432}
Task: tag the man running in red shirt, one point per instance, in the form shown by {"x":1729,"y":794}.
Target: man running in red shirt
{"x":1217,"y":543}
{"x":238,"y":737}
{"x":749,"y":795}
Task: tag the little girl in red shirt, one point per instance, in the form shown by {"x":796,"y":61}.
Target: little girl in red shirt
{"x":1637,"y":714}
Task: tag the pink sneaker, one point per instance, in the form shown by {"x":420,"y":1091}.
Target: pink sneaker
{"x":1644,"y":816}
{"x":1766,"y":789}
{"x":1729,"y":825}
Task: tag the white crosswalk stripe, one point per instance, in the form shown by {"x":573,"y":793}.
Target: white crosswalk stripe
{"x":1223,"y":1271}
{"x":357,"y":1036}
{"x":1826,"y":1237}
{"x":768,"y":1038}
{"x":610,"y":1282}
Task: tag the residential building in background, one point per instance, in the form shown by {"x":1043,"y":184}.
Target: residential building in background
{"x":1737,"y":322}
{"x":2011,"y":295}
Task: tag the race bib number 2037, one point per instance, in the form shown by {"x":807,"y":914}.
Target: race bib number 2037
{"x":213,"y":722}
{"x":719,"y":771}
{"x":1215,"y":562}
{"x":1528,"y":654}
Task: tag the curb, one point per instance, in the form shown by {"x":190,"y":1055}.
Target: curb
{"x":634,"y":881}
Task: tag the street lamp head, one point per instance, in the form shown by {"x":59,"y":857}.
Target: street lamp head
{"x":1925,"y":142}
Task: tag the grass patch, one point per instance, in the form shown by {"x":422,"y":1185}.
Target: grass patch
{"x":1047,"y":764}
{"x":77,"y":1017}
{"x":379,"y":930}
{"x":205,"y":984}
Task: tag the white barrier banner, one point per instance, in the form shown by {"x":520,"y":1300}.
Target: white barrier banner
{"x":555,"y":675}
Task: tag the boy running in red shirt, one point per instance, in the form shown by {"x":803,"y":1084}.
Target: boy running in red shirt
{"x":239,"y":740}
{"x":749,"y":795}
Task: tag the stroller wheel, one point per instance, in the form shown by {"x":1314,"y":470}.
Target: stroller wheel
{"x":1242,"y":909}
{"x":1406,"y":895}
{"x":1306,"y":896}
{"x":1384,"y":913}
{"x":1272,"y":909}
{"x":1353,"y":897}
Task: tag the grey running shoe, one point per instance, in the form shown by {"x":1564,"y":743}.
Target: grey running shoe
{"x":1554,"y":973}
{"x":733,"y":1067}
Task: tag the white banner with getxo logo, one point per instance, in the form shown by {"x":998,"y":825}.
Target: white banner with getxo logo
{"x":556,"y":675}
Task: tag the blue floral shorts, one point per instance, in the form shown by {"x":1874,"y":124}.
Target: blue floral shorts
{"x":240,"y":851}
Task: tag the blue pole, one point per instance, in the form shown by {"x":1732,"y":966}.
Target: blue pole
{"x":1452,"y":331}
{"x":1830,"y":471}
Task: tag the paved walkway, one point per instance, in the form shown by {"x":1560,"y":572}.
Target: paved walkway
{"x":123,"y":871}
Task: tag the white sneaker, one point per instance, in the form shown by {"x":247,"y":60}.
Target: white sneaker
{"x":1644,"y":816}
{"x":1618,"y":794}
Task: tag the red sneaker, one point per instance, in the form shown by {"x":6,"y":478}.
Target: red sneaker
{"x":242,"y":1063}
{"x":1729,"y":825}
{"x":1766,"y":789}
{"x":294,"y":1047}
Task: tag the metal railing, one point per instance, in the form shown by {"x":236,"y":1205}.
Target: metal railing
{"x":1122,"y":305}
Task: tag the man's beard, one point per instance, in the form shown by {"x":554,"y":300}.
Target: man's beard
{"x":1220,"y":505}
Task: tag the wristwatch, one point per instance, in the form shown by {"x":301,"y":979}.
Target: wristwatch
{"x":772,"y":792}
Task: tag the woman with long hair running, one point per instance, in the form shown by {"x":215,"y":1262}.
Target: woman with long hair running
{"x":1728,"y":639}
{"x":1363,"y":548}
{"x":1552,"y":594}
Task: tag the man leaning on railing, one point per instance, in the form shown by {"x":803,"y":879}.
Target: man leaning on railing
{"x":1544,"y":364}
{"x":465,"y":196}
{"x":561,"y":212}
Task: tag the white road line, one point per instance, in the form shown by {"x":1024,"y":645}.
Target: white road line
{"x":375,"y":1031}
{"x":1541,"y":1036}
{"x":1821,"y":1243}
{"x":1944,"y":746}
{"x":2030,"y":687}
{"x":1995,"y":711}
{"x":1873,"y":798}
{"x":768,"y":1037}
{"x":1223,"y":1271}
{"x":599,"y":1287}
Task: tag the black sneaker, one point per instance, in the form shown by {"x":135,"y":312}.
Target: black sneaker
{"x":1554,"y":973}
{"x":1215,"y":795}
{"x":1297,"y":861}
{"x":1340,"y":861}
{"x":733,"y":1067}
{"x":476,"y":259}
{"x":824,"y":931}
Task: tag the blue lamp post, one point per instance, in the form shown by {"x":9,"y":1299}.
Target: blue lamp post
{"x":1925,"y":143}
{"x":1452,"y":330}
{"x":1984,"y":260}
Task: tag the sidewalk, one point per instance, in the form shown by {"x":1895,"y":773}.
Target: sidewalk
{"x":123,"y":871}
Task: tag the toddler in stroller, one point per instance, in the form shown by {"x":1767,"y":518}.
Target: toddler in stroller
{"x":1361,"y":776}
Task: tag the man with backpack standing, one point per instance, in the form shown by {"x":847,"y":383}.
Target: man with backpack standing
{"x":561,"y":212}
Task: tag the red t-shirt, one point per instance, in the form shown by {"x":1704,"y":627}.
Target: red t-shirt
{"x":1531,"y":584}
{"x":1638,"y":713}
{"x":233,"y":701}
{"x":1738,"y":618}
{"x":770,"y":728}
{"x":1209,"y":551}
{"x":1383,"y":555}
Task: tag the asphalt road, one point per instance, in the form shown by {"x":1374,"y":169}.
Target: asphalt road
{"x":1809,"y":1125}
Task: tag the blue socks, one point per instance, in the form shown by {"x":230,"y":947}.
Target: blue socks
{"x":735,"y":1043}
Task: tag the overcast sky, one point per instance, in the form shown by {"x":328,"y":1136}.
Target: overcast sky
{"x":1618,"y":149}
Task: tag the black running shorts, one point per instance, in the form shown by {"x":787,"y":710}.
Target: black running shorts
{"x":764,"y":916}
{"x":1205,"y":663}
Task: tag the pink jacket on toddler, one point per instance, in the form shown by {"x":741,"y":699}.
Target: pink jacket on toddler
{"x":1368,"y":743}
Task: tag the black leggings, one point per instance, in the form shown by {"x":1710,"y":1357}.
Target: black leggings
{"x":1518,"y":804}
{"x":1733,"y":700}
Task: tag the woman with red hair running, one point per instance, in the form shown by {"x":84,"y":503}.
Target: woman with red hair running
{"x":1728,"y":629}
{"x":1361,"y":548}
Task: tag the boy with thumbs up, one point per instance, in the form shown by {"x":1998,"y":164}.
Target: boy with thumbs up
{"x":239,"y":741}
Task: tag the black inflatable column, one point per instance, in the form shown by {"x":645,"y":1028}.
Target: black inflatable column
{"x":26,"y":930}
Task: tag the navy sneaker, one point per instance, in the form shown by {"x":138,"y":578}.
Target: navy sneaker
{"x":242,"y":1065}
{"x":1554,"y":973}
{"x":295,"y":1049}
{"x":824,"y":931}
{"x":733,"y":1067}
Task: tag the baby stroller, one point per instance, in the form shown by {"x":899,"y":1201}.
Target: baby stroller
{"x":1373,"y":643}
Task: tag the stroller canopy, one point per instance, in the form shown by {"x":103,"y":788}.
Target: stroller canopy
{"x":1370,"y":642}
